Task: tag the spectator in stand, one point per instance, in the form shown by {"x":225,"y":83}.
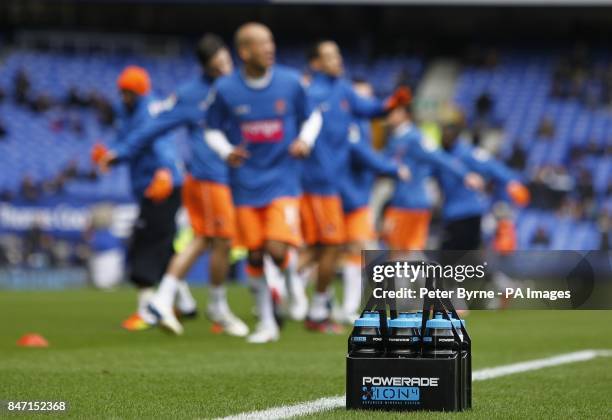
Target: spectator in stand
{"x":42,"y":103}
{"x":28,"y":189}
{"x":607,"y":87}
{"x":546,"y":129}
{"x":484,"y":117}
{"x":106,"y":258}
{"x":21,"y":82}
{"x":518,"y":158}
{"x":584,"y":185}
{"x":594,"y":148}
{"x":104,"y":109}
{"x":4,"y":260}
{"x":603,"y":225}
{"x":38,"y":248}
{"x":550,"y":187}
{"x":541,"y":238}
{"x":74,"y":99}
{"x":6,"y":195}
{"x":3,"y":131}
{"x":76,"y":124}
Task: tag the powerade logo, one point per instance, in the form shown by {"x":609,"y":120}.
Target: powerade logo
{"x":394,"y":389}
{"x":398,"y":381}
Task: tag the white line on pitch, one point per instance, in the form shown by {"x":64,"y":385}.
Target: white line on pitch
{"x":329,"y":403}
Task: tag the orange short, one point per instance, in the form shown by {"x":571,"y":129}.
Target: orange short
{"x":278,"y":221}
{"x":322,"y":219}
{"x":359,"y":225}
{"x":210,"y":208}
{"x":406,"y":229}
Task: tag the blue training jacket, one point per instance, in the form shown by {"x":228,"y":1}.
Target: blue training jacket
{"x":461,"y":202}
{"x":409,"y":146}
{"x":364,"y":165}
{"x":143,"y":162}
{"x":339,"y":104}
{"x":186,"y":108}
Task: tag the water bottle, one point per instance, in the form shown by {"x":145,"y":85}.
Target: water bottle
{"x":438,"y":340}
{"x":404,"y":335}
{"x":457,"y":323}
{"x":366,"y":340}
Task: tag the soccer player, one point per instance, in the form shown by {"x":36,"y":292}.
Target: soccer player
{"x":260,"y":121}
{"x":206,"y":195}
{"x":321,"y":206}
{"x":356,"y":185}
{"x":156,"y":183}
{"x":463,"y":207}
{"x":406,"y":220}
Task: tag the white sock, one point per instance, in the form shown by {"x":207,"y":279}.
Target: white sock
{"x":263,"y":300}
{"x":218,"y":299}
{"x":319,"y":306}
{"x":166,"y":291}
{"x":185,"y":301}
{"x":295,"y":281}
{"x":275,"y":277}
{"x":144,"y":296}
{"x":351,"y":277}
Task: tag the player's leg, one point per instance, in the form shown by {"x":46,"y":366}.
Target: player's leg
{"x":220,"y":228}
{"x":417,"y":228}
{"x":406,"y":230}
{"x":162,"y":303}
{"x":319,"y":312}
{"x":296,"y":280}
{"x":251,"y":233}
{"x":179,"y":267}
{"x":462,"y":234}
{"x":351,"y":282}
{"x":330,"y":237}
{"x":302,"y":262}
{"x":218,"y":309}
{"x":280,"y":231}
{"x":267,"y":328}
{"x":151,"y":249}
{"x":143,"y":281}
{"x":360,"y":235}
{"x":173,"y":286}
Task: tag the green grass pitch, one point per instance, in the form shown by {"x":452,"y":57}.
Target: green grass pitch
{"x":105,"y":372}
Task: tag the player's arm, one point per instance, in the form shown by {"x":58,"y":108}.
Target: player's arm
{"x":311,"y":122}
{"x":372,"y":107}
{"x":309,"y":132}
{"x":164,"y":116}
{"x":162,"y":183}
{"x":443,"y":162}
{"x":215,"y":136}
{"x":364,"y":156}
{"x":364,"y":107}
{"x":482,"y":162}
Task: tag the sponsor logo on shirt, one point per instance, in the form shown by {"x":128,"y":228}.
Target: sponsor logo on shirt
{"x":262,"y":131}
{"x":280,"y":106}
{"x":242,"y":110}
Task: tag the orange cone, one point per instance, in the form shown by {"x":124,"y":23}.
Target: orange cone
{"x":32,"y":340}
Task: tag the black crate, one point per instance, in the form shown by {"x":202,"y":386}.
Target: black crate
{"x":405,"y":384}
{"x":382,"y":382}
